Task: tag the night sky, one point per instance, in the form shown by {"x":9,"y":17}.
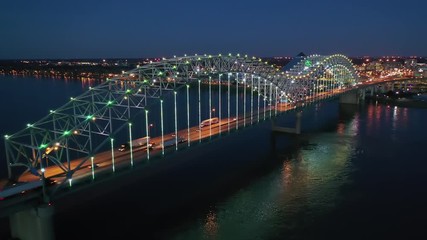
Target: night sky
{"x":136,"y":29}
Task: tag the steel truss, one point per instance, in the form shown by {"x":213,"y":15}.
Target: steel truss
{"x":68,"y":132}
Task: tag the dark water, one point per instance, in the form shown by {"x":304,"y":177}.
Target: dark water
{"x":356,"y":173}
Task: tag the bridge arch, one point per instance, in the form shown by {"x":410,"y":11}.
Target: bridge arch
{"x":88,"y":123}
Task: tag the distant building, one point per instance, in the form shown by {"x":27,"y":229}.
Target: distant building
{"x":392,"y":65}
{"x":410,"y":63}
{"x":420,"y":70}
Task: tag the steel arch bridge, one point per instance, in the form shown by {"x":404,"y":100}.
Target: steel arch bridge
{"x":70,"y":136}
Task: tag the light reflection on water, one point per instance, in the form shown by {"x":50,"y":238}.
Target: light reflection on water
{"x":339,"y":171}
{"x":306,"y":185}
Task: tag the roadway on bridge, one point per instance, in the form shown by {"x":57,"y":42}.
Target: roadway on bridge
{"x":103,"y":160}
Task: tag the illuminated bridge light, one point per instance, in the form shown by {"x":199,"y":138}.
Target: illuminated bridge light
{"x":111,"y":97}
{"x":43,"y":146}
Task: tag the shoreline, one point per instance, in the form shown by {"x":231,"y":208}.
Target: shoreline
{"x":401,"y":102}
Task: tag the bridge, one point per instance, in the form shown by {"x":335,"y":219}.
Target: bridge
{"x":80,"y":140}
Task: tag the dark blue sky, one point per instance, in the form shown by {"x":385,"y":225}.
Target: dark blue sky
{"x":131,"y":28}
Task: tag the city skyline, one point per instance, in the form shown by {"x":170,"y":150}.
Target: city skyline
{"x":131,"y":29}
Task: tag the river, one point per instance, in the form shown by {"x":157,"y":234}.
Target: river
{"x":355,"y":173}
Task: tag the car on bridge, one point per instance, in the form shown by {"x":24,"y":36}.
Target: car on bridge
{"x":172,"y":141}
{"x":137,"y":144}
{"x":209,"y":122}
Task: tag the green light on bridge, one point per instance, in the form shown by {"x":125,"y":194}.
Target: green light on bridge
{"x":109,"y":103}
{"x":89,"y":117}
{"x":43,"y":146}
{"x":6,"y":136}
{"x":66,"y":133}
{"x":308,"y":63}
{"x":128,"y":91}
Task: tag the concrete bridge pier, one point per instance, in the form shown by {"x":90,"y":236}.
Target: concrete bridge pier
{"x":371,"y":91}
{"x":384,"y":87}
{"x":362,"y":95}
{"x":33,"y":224}
{"x":352,"y":97}
{"x":296,"y":130}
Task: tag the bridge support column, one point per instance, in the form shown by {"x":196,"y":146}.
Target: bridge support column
{"x":33,"y":224}
{"x":350,"y":98}
{"x":385,"y":88}
{"x":372,"y":91}
{"x":296,"y":130}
